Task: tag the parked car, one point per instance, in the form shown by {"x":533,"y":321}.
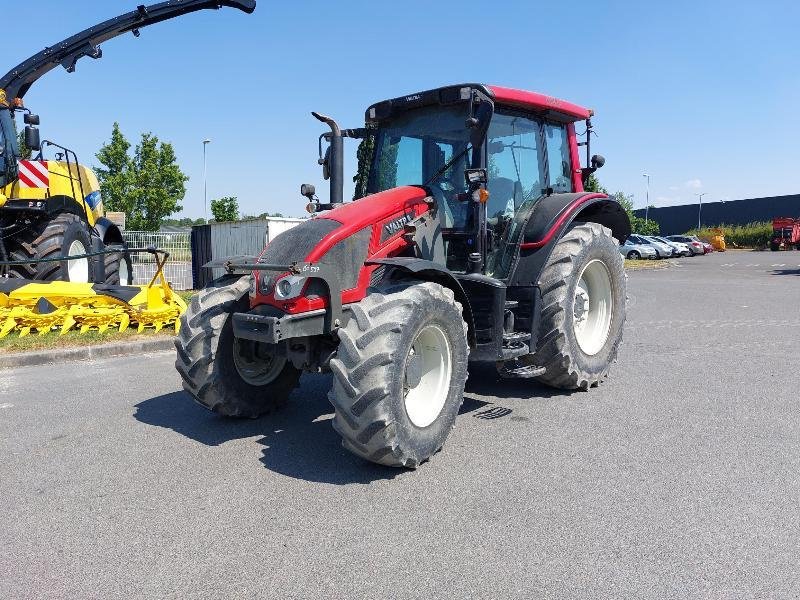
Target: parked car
{"x":695,"y":245}
{"x":636,"y":251}
{"x":708,"y":247}
{"x":678,"y":248}
{"x":662,"y":249}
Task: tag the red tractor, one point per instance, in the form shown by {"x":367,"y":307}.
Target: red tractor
{"x":472,"y":240}
{"x":785,"y":234}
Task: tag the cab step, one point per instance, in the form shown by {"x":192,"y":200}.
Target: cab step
{"x":521,"y":372}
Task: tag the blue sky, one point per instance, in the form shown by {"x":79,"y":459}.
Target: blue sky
{"x":702,"y":95}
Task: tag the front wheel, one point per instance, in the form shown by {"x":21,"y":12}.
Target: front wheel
{"x":634,"y":255}
{"x":399,"y":374}
{"x":583,"y":308}
{"x":236,"y":378}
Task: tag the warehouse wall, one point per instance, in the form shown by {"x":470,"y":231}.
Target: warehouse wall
{"x":679,"y":219}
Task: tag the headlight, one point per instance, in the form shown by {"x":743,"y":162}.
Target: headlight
{"x":289,"y":287}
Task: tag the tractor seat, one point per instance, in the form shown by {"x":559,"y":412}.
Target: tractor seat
{"x":501,"y":197}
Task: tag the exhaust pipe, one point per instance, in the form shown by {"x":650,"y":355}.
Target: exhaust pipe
{"x":333,"y":163}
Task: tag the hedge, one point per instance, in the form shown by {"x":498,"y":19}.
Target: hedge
{"x":752,"y":235}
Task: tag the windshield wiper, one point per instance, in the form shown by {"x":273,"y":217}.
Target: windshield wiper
{"x":447,"y":165}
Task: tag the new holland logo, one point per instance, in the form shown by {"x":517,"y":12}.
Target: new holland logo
{"x":34,"y":174}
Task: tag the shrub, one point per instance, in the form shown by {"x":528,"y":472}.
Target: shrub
{"x":752,"y":235}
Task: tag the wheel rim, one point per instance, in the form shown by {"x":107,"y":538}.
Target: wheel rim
{"x":426,"y":381}
{"x":592,"y":307}
{"x":254,"y":367}
{"x":124,"y":272}
{"x":78,"y":269}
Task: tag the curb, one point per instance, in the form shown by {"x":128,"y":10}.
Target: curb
{"x":30,"y":359}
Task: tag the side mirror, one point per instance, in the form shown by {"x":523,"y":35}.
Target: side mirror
{"x":31,"y":119}
{"x":598,"y":161}
{"x":32,"y":138}
{"x":326,"y":164}
{"x":480,"y":123}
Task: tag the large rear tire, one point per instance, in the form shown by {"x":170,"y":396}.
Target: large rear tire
{"x":118,"y":268}
{"x":583,"y":289}
{"x":399,"y":374}
{"x":232,"y":377}
{"x":65,"y":235}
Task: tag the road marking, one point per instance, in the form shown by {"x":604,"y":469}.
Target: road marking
{"x":7,"y":405}
{"x":721,"y":324}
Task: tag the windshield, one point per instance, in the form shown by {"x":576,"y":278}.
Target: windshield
{"x":414,"y":147}
{"x":8,"y":143}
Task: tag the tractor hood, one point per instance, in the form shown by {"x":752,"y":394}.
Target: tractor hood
{"x":87,"y":43}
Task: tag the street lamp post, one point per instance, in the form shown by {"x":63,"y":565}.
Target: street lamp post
{"x":647,"y":199}
{"x":206,"y":142}
{"x":699,"y":208}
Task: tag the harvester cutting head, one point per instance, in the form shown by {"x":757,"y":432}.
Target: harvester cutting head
{"x":27,"y":306}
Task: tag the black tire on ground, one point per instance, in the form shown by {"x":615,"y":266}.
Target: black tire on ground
{"x":634,"y":255}
{"x":114,"y":263}
{"x":568,"y":366}
{"x":774,"y":247}
{"x":50,"y":239}
{"x":372,"y":371}
{"x":209,"y":358}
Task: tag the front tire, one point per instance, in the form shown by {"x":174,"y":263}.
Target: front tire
{"x":232,"y":377}
{"x":633,"y":255}
{"x":583,"y":289}
{"x":399,"y":374}
{"x":65,"y":235}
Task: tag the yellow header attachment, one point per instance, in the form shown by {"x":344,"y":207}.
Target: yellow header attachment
{"x":63,"y":305}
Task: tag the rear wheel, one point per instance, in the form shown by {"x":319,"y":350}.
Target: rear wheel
{"x":65,"y":235}
{"x":583,"y":308}
{"x":233,"y":377}
{"x":118,"y":268}
{"x":399,"y":374}
{"x":634,"y":255}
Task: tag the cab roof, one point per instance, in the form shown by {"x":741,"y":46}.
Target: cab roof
{"x":537,"y":102}
{"x":554,"y":108}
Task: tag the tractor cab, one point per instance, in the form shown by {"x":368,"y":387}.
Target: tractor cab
{"x":485,"y":155}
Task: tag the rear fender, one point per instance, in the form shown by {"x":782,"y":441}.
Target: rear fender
{"x":551,"y":218}
{"x":108,"y":231}
{"x":426,"y":270}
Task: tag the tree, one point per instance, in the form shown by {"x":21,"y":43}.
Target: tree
{"x":25,"y":153}
{"x":638,"y":224}
{"x":225,"y":209}
{"x":263,"y":215}
{"x":364,"y":155}
{"x":593,"y":185}
{"x":147,"y":187}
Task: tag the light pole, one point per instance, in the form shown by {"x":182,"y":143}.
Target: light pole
{"x":699,"y":208}
{"x":647,"y":199}
{"x":205,"y":183}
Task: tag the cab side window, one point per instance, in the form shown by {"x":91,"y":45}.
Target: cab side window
{"x":515,"y":173}
{"x":559,"y":167}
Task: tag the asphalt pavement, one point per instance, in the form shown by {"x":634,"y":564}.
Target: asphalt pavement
{"x":677,"y":478}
